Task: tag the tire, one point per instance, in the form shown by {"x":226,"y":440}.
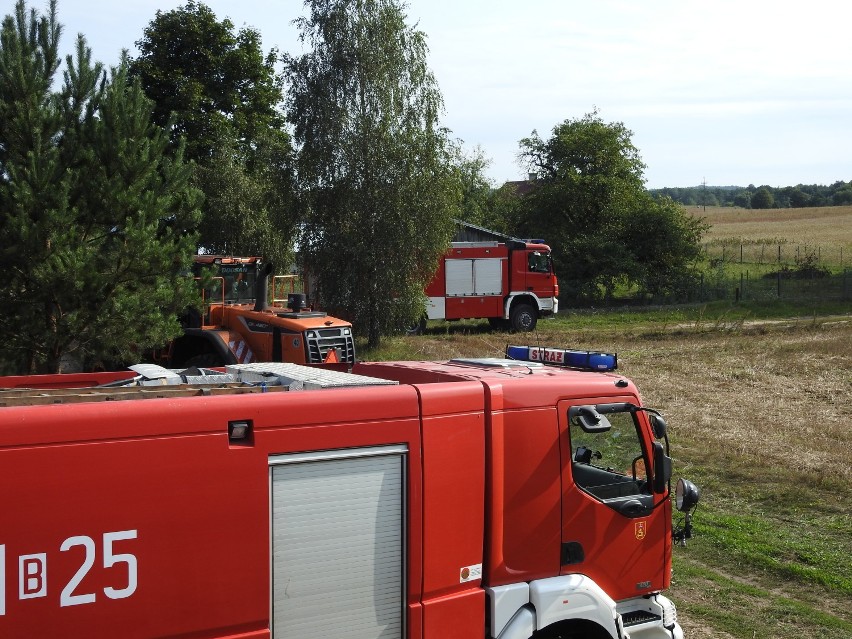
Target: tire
{"x":417,"y":328}
{"x":204,"y":360}
{"x":497,"y":323}
{"x":523,"y":318}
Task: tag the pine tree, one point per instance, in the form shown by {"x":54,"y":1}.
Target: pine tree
{"x":97,"y":218}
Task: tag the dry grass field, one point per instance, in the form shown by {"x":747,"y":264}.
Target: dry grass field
{"x":831,"y":225}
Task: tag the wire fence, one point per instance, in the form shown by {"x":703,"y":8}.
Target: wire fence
{"x":833,"y":257}
{"x":748,"y":285}
{"x":762,"y":271}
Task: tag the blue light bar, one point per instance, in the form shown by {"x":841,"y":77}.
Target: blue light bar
{"x":585,"y":360}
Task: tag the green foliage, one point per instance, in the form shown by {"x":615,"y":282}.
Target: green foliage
{"x":842,"y":196}
{"x":225,"y":99}
{"x":663,"y":246}
{"x":97,"y":218}
{"x":743,"y":199}
{"x":590,"y":204}
{"x":762,"y":199}
{"x":800,"y":196}
{"x":476,"y":187}
{"x":380,"y":184}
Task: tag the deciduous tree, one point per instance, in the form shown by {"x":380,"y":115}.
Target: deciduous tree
{"x":762,"y":199}
{"x":225,"y":98}
{"x":96,"y":214}
{"x":380,"y":188}
{"x":589,"y":175}
{"x":590,"y":204}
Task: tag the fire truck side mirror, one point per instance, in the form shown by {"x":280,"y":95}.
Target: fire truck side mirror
{"x":662,"y":469}
{"x":658,"y":424}
{"x":589,"y":419}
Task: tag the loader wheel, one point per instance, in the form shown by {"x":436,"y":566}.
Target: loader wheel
{"x":523,"y":318}
{"x":204,"y":360}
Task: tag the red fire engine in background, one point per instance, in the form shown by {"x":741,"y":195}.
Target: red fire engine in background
{"x":497,"y":498}
{"x":510,"y":283}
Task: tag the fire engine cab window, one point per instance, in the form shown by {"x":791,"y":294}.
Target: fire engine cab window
{"x":538,"y":262}
{"x":609,"y":464}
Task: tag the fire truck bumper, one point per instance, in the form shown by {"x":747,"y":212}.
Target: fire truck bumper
{"x":548,"y":305}
{"x":652,"y":618}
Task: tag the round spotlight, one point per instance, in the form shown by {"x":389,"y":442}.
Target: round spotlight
{"x":686,"y":495}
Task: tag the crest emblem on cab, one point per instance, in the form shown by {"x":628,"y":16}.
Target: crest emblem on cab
{"x":641,"y":529}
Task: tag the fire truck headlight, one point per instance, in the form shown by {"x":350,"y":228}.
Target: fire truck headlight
{"x":311,"y":335}
{"x":686,"y":495}
{"x":347,"y":332}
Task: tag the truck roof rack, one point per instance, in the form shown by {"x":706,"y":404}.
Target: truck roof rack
{"x":156,"y":382}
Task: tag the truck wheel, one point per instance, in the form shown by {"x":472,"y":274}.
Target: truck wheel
{"x":418,"y":328}
{"x":498,"y":323}
{"x":523,"y":318}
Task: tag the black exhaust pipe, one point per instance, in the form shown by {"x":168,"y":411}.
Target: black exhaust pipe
{"x":261,"y":288}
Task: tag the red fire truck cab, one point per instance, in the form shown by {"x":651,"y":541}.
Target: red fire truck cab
{"x":507,"y":282}
{"x":489,"y":498}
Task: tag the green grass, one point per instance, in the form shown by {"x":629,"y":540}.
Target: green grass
{"x":782,"y":548}
{"x":719,"y":600}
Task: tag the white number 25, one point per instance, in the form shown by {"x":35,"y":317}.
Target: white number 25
{"x":68,"y":598}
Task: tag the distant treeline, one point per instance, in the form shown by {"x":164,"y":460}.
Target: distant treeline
{"x":761,"y":197}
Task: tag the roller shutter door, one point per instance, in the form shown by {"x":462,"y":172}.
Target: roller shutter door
{"x":459,"y":274}
{"x":338,"y":544}
{"x":480,"y":276}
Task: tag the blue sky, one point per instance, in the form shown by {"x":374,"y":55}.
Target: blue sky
{"x":734,"y":92}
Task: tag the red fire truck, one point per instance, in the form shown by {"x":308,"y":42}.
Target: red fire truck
{"x":507,"y":282}
{"x":472,"y":498}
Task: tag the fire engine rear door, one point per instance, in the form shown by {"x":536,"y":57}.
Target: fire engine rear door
{"x":337,"y":543}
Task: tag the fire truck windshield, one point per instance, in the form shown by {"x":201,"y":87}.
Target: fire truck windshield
{"x":609,"y":463}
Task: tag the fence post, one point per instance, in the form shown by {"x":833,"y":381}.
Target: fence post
{"x":779,"y":283}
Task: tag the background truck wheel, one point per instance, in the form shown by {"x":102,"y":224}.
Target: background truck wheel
{"x":523,"y":318}
{"x":418,"y":328}
{"x":498,"y":323}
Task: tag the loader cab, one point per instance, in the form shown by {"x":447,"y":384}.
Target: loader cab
{"x":227,"y":280}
